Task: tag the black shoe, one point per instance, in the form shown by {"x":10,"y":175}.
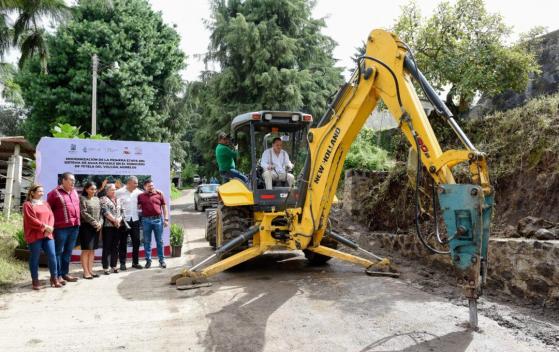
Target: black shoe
{"x":162,"y":265}
{"x":148,"y":264}
{"x":137,"y":266}
{"x":123,"y":267}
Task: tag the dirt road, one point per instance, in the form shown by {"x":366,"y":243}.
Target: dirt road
{"x":278,"y":303}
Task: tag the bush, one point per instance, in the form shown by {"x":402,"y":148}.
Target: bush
{"x":188,"y":171}
{"x":177,"y":235}
{"x":20,"y":238}
{"x":10,"y":230}
{"x":175,"y":192}
{"x":11,"y":236}
{"x":365,"y":155}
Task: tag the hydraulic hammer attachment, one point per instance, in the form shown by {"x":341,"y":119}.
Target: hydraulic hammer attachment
{"x":467,"y":214}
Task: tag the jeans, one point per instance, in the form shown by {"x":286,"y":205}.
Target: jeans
{"x":156,"y":225}
{"x":134,"y":233}
{"x":47,"y":245}
{"x":226,"y":175}
{"x":65,"y":241}
{"x":111,"y":238}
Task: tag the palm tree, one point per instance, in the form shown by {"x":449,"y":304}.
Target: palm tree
{"x":28,"y":33}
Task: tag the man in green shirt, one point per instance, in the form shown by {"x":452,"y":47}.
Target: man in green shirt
{"x":225,"y":156}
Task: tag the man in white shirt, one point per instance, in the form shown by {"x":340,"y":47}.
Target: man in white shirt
{"x":129,"y":198}
{"x":276,"y":164}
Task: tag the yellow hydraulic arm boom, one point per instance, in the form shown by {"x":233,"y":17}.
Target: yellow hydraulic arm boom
{"x":385,"y":73}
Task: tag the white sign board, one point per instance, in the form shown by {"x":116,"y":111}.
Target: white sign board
{"x":95,"y":160}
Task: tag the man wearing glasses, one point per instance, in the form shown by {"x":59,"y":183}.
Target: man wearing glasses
{"x":65,"y":205}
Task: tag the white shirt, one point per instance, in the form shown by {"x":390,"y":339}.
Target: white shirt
{"x":129,"y":202}
{"x":278,"y":162}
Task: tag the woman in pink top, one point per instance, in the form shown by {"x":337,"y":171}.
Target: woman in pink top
{"x":38,"y":222}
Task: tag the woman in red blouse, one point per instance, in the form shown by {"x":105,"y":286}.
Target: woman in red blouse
{"x":38,"y":222}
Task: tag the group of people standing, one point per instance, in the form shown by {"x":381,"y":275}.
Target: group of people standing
{"x":109,"y":216}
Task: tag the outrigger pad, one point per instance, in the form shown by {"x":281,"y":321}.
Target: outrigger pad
{"x":382,"y":268}
{"x":193,"y":286}
{"x":186,"y":275}
{"x":190,"y":280}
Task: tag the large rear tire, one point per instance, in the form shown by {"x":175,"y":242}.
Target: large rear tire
{"x":320,"y":259}
{"x":211,"y":228}
{"x":234,"y":221}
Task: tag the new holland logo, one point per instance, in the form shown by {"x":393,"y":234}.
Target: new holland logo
{"x":327,"y":155}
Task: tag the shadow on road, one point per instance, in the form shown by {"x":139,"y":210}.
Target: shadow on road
{"x":457,"y":341}
{"x":242,"y":299}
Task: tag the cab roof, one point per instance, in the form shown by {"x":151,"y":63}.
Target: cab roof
{"x":278,"y":118}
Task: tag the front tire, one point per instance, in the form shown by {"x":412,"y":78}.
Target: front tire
{"x":211,"y":228}
{"x":234,"y":222}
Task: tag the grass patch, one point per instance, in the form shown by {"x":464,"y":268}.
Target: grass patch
{"x":175,"y":192}
{"x":11,"y":269}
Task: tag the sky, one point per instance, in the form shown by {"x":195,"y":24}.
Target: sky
{"x":348,"y":22}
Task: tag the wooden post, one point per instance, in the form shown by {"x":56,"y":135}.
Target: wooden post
{"x":9,"y":188}
{"x":18,"y":171}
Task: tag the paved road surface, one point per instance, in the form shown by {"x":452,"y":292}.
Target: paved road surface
{"x":278,"y":303}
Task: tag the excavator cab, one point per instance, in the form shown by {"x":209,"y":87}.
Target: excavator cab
{"x":254,"y":133}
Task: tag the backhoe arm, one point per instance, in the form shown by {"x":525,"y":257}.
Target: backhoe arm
{"x":385,"y":73}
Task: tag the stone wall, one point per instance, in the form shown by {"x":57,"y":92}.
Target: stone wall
{"x":357,"y":186}
{"x":379,"y":200}
{"x":524,"y":268}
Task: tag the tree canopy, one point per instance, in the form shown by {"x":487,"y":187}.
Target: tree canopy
{"x":27,"y":33}
{"x":136,"y":100}
{"x":271,"y":55}
{"x":464,"y":47}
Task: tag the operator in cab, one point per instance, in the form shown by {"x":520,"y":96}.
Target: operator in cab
{"x":276,"y":164}
{"x":225,"y":154}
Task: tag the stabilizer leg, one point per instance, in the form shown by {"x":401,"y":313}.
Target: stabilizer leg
{"x":382,"y":266}
{"x":188,"y":278}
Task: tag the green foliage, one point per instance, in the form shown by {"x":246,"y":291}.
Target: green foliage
{"x":27,"y":32}
{"x":175,"y":192}
{"x":364,"y":154}
{"x":135,"y":101}
{"x":12,"y":119}
{"x":19,"y":236}
{"x":272,"y":55}
{"x":189,"y":169}
{"x":519,"y":138}
{"x":11,"y":236}
{"x":9,"y":230}
{"x":65,"y":130}
{"x":177,"y":235}
{"x":463,"y":46}
{"x":11,"y":91}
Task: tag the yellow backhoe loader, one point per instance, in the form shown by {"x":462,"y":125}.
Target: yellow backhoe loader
{"x":252,"y":220}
